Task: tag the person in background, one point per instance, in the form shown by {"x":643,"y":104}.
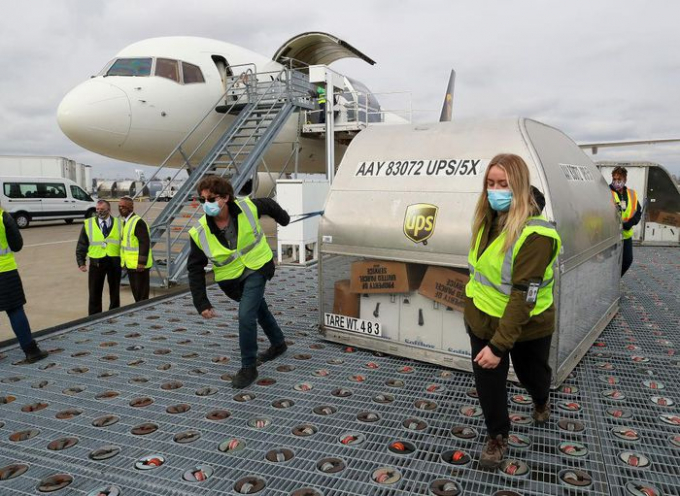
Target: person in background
{"x":321,"y":99}
{"x":229,"y":236}
{"x":509,"y":310}
{"x":12,"y":298}
{"x":631,"y":213}
{"x":100,"y":241}
{"x":135,"y":249}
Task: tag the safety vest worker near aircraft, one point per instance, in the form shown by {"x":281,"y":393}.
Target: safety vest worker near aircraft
{"x":627,"y":202}
{"x":135,"y":249}
{"x":100,"y":242}
{"x":230,"y":237}
{"x":509,"y":308}
{"x":12,"y":299}
{"x":321,"y":92}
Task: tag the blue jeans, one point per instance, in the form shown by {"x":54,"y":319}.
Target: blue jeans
{"x":252,"y":310}
{"x":20,"y":326}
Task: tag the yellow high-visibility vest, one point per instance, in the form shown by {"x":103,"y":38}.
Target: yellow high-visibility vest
{"x":321,"y":91}
{"x":252,"y":250}
{"x":630,"y":210}
{"x":491,"y":273}
{"x":100,"y":247}
{"x":7,"y":261}
{"x":129,"y":247}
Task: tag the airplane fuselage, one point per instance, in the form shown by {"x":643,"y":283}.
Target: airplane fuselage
{"x":146,"y":100}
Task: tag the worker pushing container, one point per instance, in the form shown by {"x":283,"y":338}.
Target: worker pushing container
{"x":395,"y":237}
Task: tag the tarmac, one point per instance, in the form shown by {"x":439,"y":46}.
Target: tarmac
{"x":56,"y":291}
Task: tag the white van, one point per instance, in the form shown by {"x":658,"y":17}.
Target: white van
{"x":43,"y":198}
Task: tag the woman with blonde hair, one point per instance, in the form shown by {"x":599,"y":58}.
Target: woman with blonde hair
{"x":509,"y":310}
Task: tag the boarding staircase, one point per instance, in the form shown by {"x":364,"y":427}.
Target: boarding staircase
{"x":258,"y":104}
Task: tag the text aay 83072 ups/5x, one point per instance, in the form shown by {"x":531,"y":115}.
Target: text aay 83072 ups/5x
{"x":426,"y":168}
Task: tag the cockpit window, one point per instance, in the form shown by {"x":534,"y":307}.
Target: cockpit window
{"x":167,"y":68}
{"x":192,"y":73}
{"x":130,"y":67}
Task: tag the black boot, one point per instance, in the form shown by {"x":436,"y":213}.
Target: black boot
{"x":272,"y":352}
{"x":34,"y":353}
{"x":244,"y":377}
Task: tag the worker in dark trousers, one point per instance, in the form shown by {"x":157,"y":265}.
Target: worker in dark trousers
{"x":100,"y":242}
{"x":230,"y":236}
{"x":509,"y":309}
{"x":626,"y":201}
{"x":135,"y":249}
{"x":12,"y":299}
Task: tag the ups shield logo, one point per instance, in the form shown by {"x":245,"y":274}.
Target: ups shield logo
{"x":419,"y":222}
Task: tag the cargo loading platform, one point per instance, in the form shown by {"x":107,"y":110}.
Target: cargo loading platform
{"x":140,"y":403}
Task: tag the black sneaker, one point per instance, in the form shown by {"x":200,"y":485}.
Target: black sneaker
{"x":244,"y":377}
{"x":34,"y":353}
{"x":272,"y":352}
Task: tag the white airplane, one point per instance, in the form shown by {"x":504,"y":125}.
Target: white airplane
{"x":146,"y":100}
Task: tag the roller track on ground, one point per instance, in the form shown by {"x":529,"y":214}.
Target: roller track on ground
{"x":141,"y":404}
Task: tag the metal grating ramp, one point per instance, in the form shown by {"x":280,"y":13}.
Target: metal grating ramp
{"x":150,"y":388}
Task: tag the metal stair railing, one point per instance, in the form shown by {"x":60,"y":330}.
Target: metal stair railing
{"x":264,"y":101}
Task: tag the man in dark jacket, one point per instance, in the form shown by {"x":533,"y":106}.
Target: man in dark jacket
{"x":100,"y":241}
{"x":231,"y":238}
{"x":12,"y":299}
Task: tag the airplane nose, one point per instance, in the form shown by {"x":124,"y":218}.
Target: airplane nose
{"x":96,"y":116}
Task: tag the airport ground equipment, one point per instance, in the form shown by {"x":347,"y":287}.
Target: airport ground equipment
{"x":262,"y":103}
{"x":659,"y":197}
{"x":395,"y":237}
{"x":303,"y":199}
{"x":140,"y":398}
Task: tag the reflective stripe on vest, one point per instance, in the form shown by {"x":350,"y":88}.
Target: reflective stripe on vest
{"x":252,"y":250}
{"x":129,"y":249}
{"x":629,"y":212}
{"x":322,"y":94}
{"x":7,"y":260}
{"x":493,"y":295}
{"x":98,"y":246}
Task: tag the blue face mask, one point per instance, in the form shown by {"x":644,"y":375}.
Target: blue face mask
{"x":500,"y":199}
{"x":211,"y":209}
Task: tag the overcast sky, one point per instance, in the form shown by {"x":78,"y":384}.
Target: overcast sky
{"x":597,"y":70}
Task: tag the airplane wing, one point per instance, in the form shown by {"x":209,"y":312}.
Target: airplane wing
{"x":611,"y":144}
{"x":316,"y":48}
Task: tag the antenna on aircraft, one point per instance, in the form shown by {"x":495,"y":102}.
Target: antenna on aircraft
{"x":447,"y":108}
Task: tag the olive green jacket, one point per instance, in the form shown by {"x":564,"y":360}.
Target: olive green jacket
{"x":515,"y":325}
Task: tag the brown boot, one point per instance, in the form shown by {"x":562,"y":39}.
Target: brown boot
{"x":493,"y":452}
{"x":541,"y":414}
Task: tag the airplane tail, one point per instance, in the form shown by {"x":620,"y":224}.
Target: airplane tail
{"x":447,"y":108}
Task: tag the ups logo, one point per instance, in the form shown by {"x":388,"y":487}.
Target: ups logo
{"x":419,"y":222}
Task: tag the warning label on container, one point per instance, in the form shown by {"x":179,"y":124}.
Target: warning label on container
{"x":426,"y":168}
